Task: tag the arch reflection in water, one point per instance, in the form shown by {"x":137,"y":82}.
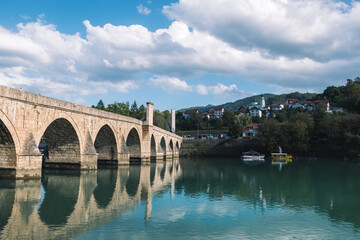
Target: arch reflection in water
{"x":162,"y":172}
{"x":72,"y":203}
{"x":7,"y":195}
{"x":106,"y":183}
{"x":152,"y":173}
{"x":61,"y":195}
{"x":133,"y":181}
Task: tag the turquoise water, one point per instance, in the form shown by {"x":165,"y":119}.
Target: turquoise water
{"x":187,"y":199}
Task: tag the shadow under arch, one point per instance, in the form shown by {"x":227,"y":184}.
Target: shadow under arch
{"x":133,"y":181}
{"x":177,"y":147}
{"x":7,"y":198}
{"x":7,"y":148}
{"x":61,"y":195}
{"x":63,"y":145}
{"x":106,"y":146}
{"x":133,"y":144}
{"x":171,"y":144}
{"x":163,"y":146}
{"x":153,"y":148}
{"x":106,"y":184}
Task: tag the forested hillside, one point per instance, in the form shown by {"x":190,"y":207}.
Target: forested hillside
{"x":269,"y":99}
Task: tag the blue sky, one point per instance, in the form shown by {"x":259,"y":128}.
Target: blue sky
{"x":177,"y":54}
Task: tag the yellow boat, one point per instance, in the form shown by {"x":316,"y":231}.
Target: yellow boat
{"x":281,"y":157}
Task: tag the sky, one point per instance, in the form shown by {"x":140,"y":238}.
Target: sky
{"x":177,"y":54}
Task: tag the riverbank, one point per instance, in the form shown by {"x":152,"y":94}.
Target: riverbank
{"x":235,"y":148}
{"x":213,"y":147}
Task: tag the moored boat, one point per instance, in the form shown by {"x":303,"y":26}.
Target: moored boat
{"x":281,"y":157}
{"x":252,"y":156}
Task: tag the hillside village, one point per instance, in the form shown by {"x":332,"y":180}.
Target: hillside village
{"x":255,"y":109}
{"x":260,"y":110}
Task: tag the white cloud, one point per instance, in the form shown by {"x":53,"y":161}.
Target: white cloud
{"x":285,"y":44}
{"x":143,"y":10}
{"x":171,"y":84}
{"x":124,"y":87}
{"x":220,"y":90}
{"x":317,"y":29}
{"x":25,"y":16}
{"x":175,"y":84}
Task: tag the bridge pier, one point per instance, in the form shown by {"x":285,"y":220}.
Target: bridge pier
{"x":169,"y":155}
{"x":158,"y":157}
{"x":123,"y":158}
{"x":28,"y":166}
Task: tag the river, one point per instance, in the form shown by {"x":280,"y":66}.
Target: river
{"x":187,"y":199}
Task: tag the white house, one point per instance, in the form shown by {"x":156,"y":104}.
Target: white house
{"x":255,"y":112}
{"x":278,"y":107}
{"x":189,"y":113}
{"x":216,"y":112}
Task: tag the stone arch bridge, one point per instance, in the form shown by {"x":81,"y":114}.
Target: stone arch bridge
{"x":77,"y":136}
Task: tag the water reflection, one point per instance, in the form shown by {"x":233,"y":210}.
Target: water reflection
{"x":7,"y":194}
{"x":207,"y":195}
{"x":329,"y":187}
{"x":64,"y":204}
{"x":62,"y":189}
{"x":132,"y":184}
{"x":106,"y":183}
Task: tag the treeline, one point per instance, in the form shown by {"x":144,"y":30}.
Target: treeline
{"x":161,"y":119}
{"x":231,"y":123}
{"x":318,"y":133}
{"x":347,"y":97}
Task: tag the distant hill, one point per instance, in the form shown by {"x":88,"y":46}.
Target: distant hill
{"x":270,"y":99}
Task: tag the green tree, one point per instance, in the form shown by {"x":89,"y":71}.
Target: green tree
{"x":297,"y":133}
{"x":167,"y":114}
{"x":134,"y":110}
{"x":160,"y":120}
{"x":141,"y":113}
{"x":120,"y":108}
{"x":239,"y":123}
{"x":100,"y":105}
{"x":269,"y":137}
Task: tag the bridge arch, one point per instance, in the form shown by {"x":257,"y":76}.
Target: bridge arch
{"x":64,"y":142}
{"x":177,"y":147}
{"x":7,"y":147}
{"x":163,"y":146}
{"x":171,"y":145}
{"x":49,"y":121}
{"x":9,"y":142}
{"x":133,"y":144}
{"x":153,"y":147}
{"x":106,"y":144}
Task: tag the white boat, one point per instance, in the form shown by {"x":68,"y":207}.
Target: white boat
{"x":252,"y":156}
